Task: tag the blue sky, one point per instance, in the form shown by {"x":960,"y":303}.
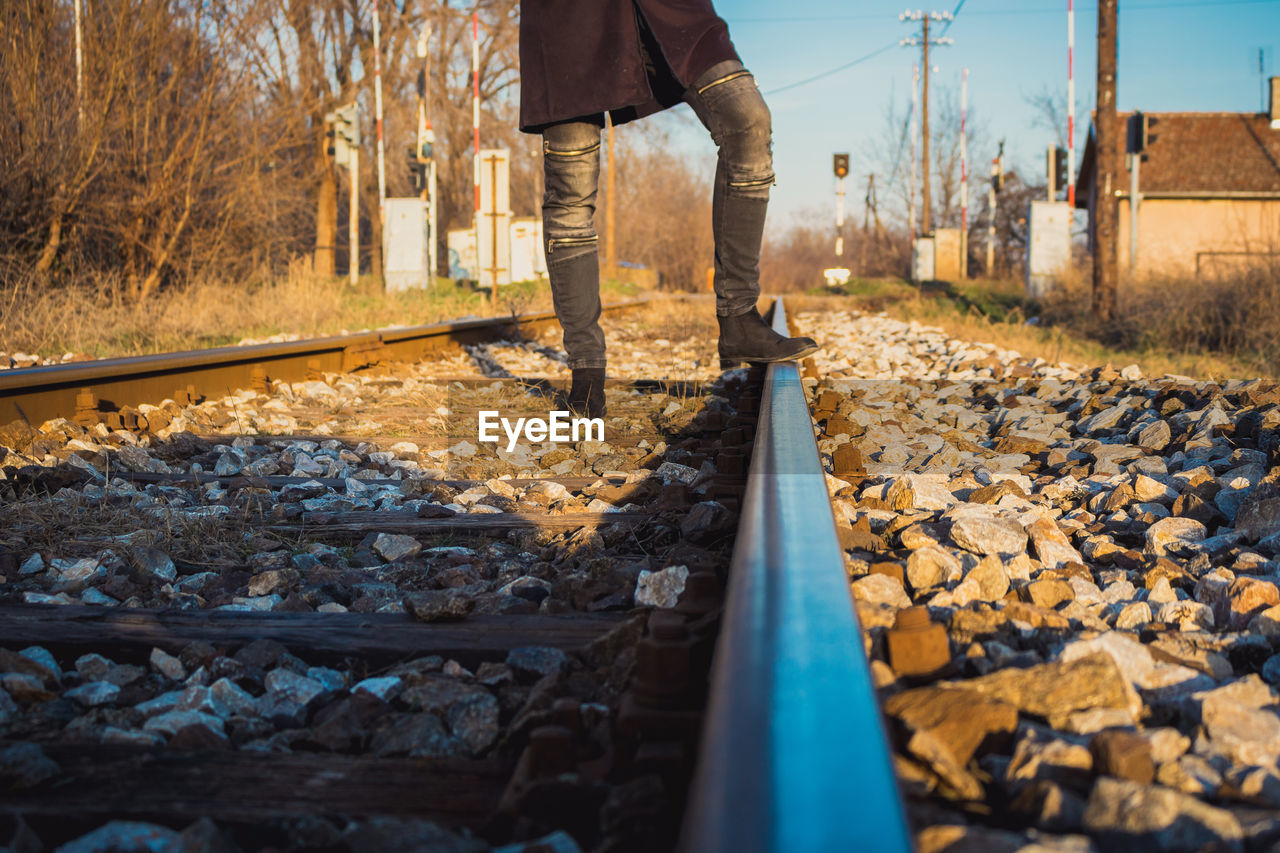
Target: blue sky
{"x":1173,"y":55}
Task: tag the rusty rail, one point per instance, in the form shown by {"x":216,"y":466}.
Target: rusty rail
{"x":38,"y":394}
{"x":793,"y":754}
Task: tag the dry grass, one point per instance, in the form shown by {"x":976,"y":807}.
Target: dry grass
{"x":94,"y":319}
{"x":1228,"y":329}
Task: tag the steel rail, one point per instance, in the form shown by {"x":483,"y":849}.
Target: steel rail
{"x":38,"y":394}
{"x":793,"y":755}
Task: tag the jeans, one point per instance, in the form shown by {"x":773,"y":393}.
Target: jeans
{"x":729,"y":105}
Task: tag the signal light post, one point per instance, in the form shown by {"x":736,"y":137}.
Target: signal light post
{"x":841,"y":167}
{"x":839,"y":274}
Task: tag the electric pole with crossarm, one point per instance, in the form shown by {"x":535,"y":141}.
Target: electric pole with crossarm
{"x":923,"y":42}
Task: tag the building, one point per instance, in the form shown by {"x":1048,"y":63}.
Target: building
{"x":1208,"y":191}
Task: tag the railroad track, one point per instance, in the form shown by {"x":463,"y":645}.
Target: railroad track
{"x":1065,"y":581}
{"x":417,"y":632}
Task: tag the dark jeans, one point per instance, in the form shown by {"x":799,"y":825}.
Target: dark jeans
{"x":729,"y":105}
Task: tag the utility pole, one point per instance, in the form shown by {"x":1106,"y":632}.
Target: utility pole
{"x":353,"y":217}
{"x":868,"y":211}
{"x":926,"y":226}
{"x":426,"y":152}
{"x":915,"y":123}
{"x":1071,"y":104}
{"x":997,"y":184}
{"x":611,"y":250}
{"x":80,"y":65}
{"x":964,"y":175}
{"x":1107,"y":127}
{"x":377,"y":109}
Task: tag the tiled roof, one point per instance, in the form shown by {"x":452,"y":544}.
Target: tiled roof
{"x":1198,"y":153}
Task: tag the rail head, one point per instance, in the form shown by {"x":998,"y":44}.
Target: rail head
{"x":794,"y":755}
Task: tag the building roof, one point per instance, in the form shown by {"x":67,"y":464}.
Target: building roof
{"x":1202,"y":154}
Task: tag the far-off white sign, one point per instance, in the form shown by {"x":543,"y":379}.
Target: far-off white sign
{"x":1048,"y":245}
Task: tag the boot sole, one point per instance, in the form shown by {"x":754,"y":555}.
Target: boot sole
{"x":730,"y":363}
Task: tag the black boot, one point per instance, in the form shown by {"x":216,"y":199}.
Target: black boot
{"x":747,"y":337}
{"x":586,"y":396}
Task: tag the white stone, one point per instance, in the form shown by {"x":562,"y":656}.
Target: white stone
{"x":661,"y":588}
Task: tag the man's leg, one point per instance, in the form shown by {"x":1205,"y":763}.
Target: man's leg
{"x":728,"y":103}
{"x":571,"y":164}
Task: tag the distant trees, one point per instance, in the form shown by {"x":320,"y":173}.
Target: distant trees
{"x":203,"y":147}
{"x":154,"y":164}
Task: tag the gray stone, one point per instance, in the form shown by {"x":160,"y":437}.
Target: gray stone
{"x":537,"y":661}
{"x":420,"y":735}
{"x":231,"y":696}
{"x":1051,"y":545}
{"x":172,"y":722}
{"x":474,"y":721}
{"x":438,"y":605}
{"x":1259,"y":515}
{"x":160,"y":704}
{"x":1126,"y":816}
{"x":881,"y":589}
{"x":198,"y":697}
{"x":674,"y":472}
{"x":661,"y":588}
{"x":25,"y":688}
{"x":1239,"y":725}
{"x":385,"y":688}
{"x":1155,"y":436}
{"x":931,"y":566}
{"x":1187,"y":615}
{"x":989,"y":535}
{"x":1191,"y":774}
{"x":1053,"y":691}
{"x":332,"y":680}
{"x":167,"y":665}
{"x":707,"y":521}
{"x":273,"y":581}
{"x":91,"y":694}
{"x":127,"y":737}
{"x":992,"y":578}
{"x":1149,"y":490}
{"x":1105,"y":419}
{"x":137,"y":459}
{"x":393,"y":546}
{"x":1133,"y":615}
{"x":287,"y":684}
{"x":1174,"y":535}
{"x":154,"y":563}
{"x":33,"y":565}
{"x":919,"y":491}
{"x":93,"y":667}
{"x":124,"y":836}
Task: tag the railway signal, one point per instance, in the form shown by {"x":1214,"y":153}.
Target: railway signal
{"x":839,"y":274}
{"x":417,"y":168}
{"x":1055,"y":170}
{"x":344,"y":132}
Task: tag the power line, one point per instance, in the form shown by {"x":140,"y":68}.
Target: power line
{"x":1017,"y":10}
{"x":816,"y":77}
